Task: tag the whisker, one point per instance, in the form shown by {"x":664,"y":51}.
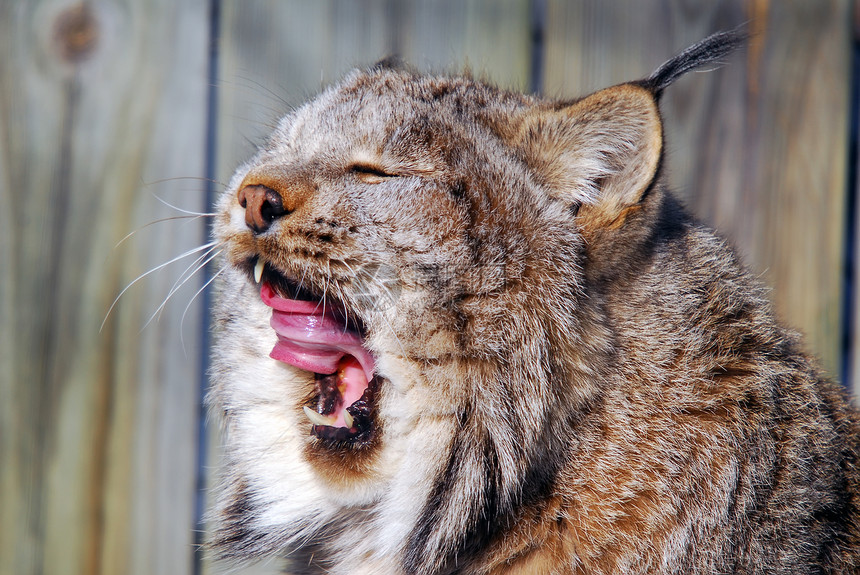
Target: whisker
{"x":384,"y":288}
{"x":153,"y":270}
{"x":325,"y":293}
{"x":304,"y":272}
{"x":178,"y":209}
{"x":394,"y":333}
{"x":182,"y":178}
{"x":161,"y":220}
{"x":184,"y":313}
{"x":345,"y":308}
{"x":268,"y":91}
{"x":182,"y":280}
{"x":328,"y":283}
{"x":381,"y":313}
{"x":177,"y":284}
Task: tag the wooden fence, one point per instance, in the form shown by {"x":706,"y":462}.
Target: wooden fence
{"x":112,"y":109}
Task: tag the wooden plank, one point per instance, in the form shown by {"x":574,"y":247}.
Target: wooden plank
{"x":853,"y":363}
{"x":758,"y":148}
{"x":490,"y":39}
{"x":799,"y":130}
{"x":97,"y":429}
{"x":277,"y":55}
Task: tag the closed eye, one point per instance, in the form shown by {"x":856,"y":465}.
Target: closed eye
{"x":370,"y":174}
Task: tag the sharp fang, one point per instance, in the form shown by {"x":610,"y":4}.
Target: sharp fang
{"x":258,"y":270}
{"x":318,"y":418}
{"x":348,"y":419}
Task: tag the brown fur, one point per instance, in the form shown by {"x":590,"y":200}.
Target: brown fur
{"x":575,"y":376}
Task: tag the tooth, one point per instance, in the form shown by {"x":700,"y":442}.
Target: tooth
{"x":258,"y":270}
{"x":348,"y":419}
{"x":318,"y":418}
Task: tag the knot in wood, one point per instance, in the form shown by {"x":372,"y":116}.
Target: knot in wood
{"x":76,"y":32}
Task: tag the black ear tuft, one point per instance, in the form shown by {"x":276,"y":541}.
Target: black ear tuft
{"x":392,"y":62}
{"x":708,"y":51}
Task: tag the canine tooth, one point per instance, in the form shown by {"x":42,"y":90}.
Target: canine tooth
{"x":318,"y":418}
{"x":348,"y":419}
{"x":258,"y":270}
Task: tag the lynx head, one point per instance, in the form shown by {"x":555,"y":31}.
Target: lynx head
{"x":410,"y":320}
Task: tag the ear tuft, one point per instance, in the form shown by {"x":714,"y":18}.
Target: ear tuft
{"x":711,"y":50}
{"x":391,"y":62}
{"x":600,"y":154}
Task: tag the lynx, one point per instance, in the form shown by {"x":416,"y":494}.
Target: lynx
{"x":464,"y":330}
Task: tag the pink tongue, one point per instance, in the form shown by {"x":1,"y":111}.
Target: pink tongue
{"x":312,"y":338}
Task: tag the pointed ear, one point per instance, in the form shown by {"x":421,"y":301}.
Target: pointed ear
{"x":599,"y":154}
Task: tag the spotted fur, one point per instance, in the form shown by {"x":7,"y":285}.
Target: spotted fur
{"x":574,"y":375}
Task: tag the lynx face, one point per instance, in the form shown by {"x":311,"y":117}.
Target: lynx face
{"x":402,"y":263}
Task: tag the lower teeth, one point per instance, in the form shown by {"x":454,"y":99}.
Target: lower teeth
{"x":328,"y":420}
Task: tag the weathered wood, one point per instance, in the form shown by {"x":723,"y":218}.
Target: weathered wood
{"x":97,"y":429}
{"x":274,"y":56}
{"x":758,"y":148}
{"x":852,"y":361}
{"x":99,"y":102}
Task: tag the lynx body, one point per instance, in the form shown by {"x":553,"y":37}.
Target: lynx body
{"x":462,"y":330}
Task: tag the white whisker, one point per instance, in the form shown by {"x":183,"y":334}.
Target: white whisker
{"x":384,"y":288}
{"x":304,"y":273}
{"x":325,"y":293}
{"x":345,"y":309}
{"x":148,"y":184}
{"x":182,"y":280}
{"x":153,"y":270}
{"x":193,"y":264}
{"x":178,"y":209}
{"x":266,"y":91}
{"x":182,"y":320}
{"x":394,"y":333}
{"x":160,"y":220}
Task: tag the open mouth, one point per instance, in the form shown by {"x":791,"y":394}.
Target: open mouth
{"x":317,"y":334}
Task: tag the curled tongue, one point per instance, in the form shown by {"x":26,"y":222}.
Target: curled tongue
{"x":315,"y":339}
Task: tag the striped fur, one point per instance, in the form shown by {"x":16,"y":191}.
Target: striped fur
{"x":574,"y":376}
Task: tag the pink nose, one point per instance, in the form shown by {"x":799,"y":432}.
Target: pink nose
{"x":262,"y":205}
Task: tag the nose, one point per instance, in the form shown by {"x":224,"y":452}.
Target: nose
{"x":263,"y":206}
